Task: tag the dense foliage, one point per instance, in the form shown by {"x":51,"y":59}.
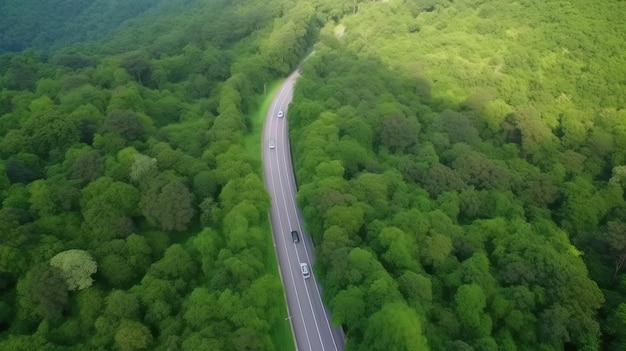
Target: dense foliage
{"x":54,"y":24}
{"x":461,"y":171}
{"x":133,"y":216}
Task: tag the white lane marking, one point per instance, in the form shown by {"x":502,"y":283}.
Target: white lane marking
{"x":293,"y":282}
{"x":291,"y":204}
{"x":299,"y":225}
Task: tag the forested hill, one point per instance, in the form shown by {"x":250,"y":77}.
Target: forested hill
{"x":461,"y":168}
{"x":133,"y":214}
{"x":55,"y":24}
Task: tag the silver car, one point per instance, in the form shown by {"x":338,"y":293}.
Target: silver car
{"x":305,"y":270}
{"x":272,"y":144}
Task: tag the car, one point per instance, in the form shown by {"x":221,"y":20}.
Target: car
{"x":281,"y":114}
{"x":305,"y":270}
{"x":294,"y":236}
{"x":272,"y":144}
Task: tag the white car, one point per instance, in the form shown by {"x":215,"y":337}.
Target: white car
{"x":305,"y":270}
{"x":272,"y":144}
{"x":281,"y":113}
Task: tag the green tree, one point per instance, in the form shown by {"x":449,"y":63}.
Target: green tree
{"x":126,"y":123}
{"x":249,"y":188}
{"x":132,"y":335}
{"x":120,"y":305}
{"x":137,"y":65}
{"x":348,"y":308}
{"x":176,"y":264}
{"x":88,"y":166}
{"x":77,"y":267}
{"x":107,"y":207}
{"x":143,"y":167}
{"x":169,"y":206}
{"x":48,"y":129}
{"x":470,"y":302}
{"x":199,"y":308}
{"x":434,"y":249}
{"x":398,"y":133}
{"x":395,"y":327}
{"x":43,"y":291}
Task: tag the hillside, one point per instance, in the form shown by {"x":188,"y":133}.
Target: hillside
{"x":133,"y":212}
{"x":461,"y":171}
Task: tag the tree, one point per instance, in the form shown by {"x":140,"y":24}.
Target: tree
{"x":132,"y":335}
{"x":470,"y":301}
{"x":398,"y":250}
{"x":440,"y":178}
{"x":169,"y":206}
{"x":434,"y":249}
{"x":288,"y":39}
{"x":120,"y":305}
{"x":107,"y":207}
{"x":48,"y":129}
{"x":458,"y":127}
{"x":248,"y":188}
{"x":41,"y":198}
{"x":88,"y":166}
{"x":616,"y":322}
{"x":126,"y":123}
{"x":394,"y":327}
{"x":143,"y":167}
{"x":416,"y":289}
{"x":348,"y":308}
{"x":43,"y":291}
{"x":117,"y":271}
{"x":526,"y":128}
{"x":398,"y":133}
{"x":137,"y":65}
{"x":77,"y":267}
{"x":348,"y":217}
{"x":199,"y":308}
{"x":23,"y":168}
{"x":551,"y":327}
{"x":90,"y":304}
{"x":175,"y":264}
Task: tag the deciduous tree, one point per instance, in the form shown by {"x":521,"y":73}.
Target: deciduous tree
{"x":77,"y":267}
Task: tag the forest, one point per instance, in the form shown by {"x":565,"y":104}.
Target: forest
{"x":461,"y":169}
{"x":467,"y":192}
{"x":134,"y":215}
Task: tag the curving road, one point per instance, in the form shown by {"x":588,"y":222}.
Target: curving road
{"x":310,"y":320}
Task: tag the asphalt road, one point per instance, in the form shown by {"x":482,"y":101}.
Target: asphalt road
{"x":309,"y":318}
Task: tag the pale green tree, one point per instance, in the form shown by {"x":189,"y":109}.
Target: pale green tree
{"x":76,"y":266}
{"x":143,"y":166}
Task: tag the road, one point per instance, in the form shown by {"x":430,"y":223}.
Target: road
{"x":310,"y":320}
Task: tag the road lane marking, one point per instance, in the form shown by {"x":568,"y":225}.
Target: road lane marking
{"x":290,"y":204}
{"x":299,"y":225}
{"x":282,"y":237}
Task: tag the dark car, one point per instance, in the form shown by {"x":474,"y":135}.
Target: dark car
{"x":294,"y":236}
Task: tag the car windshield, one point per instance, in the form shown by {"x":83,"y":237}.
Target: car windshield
{"x":305,"y":270}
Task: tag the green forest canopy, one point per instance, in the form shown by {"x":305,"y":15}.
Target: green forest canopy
{"x":466,"y":193}
{"x":133,"y":216}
